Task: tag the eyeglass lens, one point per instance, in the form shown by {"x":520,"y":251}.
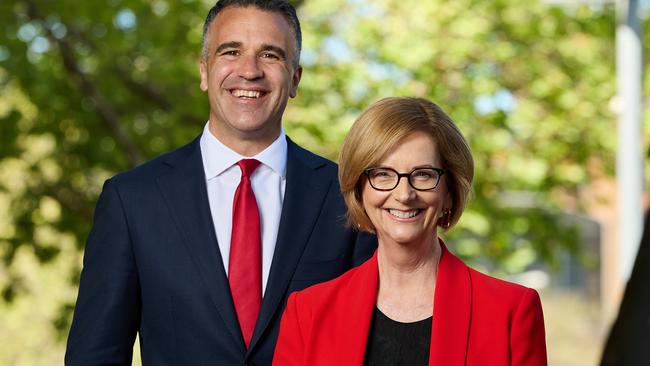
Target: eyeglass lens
{"x":387,"y":179}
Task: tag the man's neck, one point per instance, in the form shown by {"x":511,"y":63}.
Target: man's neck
{"x":247,"y":144}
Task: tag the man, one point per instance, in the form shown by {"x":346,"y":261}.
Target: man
{"x":198,"y":249}
{"x":629,"y":339}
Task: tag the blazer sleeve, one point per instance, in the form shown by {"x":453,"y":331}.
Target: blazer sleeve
{"x":107,"y":312}
{"x":290,"y":348}
{"x":528,"y":340}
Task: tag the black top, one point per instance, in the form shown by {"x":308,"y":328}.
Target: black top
{"x":394,"y":343}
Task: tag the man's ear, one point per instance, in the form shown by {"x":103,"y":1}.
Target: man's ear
{"x":203,"y":71}
{"x":295,"y":80}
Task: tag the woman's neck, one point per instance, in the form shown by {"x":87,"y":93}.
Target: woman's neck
{"x":407,"y":279}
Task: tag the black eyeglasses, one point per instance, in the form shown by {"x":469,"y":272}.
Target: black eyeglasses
{"x":421,"y":179}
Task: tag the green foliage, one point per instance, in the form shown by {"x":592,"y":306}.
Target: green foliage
{"x":88,"y":89}
{"x":529,"y":85}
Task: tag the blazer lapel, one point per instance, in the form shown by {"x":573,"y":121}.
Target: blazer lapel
{"x":304,"y":195}
{"x":184,"y":189}
{"x":357,"y":304}
{"x":451,"y":312}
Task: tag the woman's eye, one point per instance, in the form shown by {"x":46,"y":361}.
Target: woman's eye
{"x":382,"y":175}
{"x":422,"y":174}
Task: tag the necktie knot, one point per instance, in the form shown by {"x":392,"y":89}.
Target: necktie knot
{"x":248,"y":166}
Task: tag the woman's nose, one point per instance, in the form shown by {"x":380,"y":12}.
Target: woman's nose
{"x":404,"y":192}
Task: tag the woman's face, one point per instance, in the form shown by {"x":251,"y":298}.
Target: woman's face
{"x":405,"y":215}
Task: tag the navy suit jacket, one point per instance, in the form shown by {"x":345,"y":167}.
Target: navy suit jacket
{"x":152,"y":264}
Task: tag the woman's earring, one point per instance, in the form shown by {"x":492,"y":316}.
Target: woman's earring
{"x":446,"y":218}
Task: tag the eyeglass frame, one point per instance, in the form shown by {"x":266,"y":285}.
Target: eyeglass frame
{"x":440,"y":172}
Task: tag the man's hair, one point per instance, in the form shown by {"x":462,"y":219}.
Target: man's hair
{"x":276,"y":6}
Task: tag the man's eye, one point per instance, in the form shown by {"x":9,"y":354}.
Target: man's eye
{"x":230,"y":53}
{"x":270,"y":55}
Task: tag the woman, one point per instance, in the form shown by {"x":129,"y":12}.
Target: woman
{"x":405,"y":171}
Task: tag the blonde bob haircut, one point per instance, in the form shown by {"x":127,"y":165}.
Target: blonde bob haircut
{"x":380,"y":128}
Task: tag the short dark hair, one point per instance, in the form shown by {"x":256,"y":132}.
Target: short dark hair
{"x":276,"y":6}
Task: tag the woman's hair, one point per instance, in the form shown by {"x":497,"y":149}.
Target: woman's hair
{"x":384,"y":125}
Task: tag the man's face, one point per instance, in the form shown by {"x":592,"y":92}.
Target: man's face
{"x":249,"y":75}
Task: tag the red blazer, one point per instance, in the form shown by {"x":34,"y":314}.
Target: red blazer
{"x":477,"y":320}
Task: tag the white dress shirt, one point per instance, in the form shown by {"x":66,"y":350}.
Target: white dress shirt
{"x":268,"y":182}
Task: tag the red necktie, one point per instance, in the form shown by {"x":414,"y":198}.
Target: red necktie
{"x":245,"y":266}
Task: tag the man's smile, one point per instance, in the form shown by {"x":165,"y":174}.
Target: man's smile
{"x":253,"y":94}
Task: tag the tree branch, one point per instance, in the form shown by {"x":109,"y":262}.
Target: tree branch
{"x":71,"y":201}
{"x":149,"y":92}
{"x":105,"y":110}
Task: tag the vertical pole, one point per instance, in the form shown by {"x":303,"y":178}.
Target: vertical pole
{"x":629,"y":158}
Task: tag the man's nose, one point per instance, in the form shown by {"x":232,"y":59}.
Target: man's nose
{"x":250,"y":68}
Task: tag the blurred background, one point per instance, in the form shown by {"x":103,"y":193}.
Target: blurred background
{"x":92,"y":88}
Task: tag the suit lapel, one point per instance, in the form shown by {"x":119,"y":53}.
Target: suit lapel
{"x":451,"y":312}
{"x":355,"y":307}
{"x":184,"y":189}
{"x":305,"y":193}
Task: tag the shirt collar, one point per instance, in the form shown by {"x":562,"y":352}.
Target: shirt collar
{"x":218,"y":157}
